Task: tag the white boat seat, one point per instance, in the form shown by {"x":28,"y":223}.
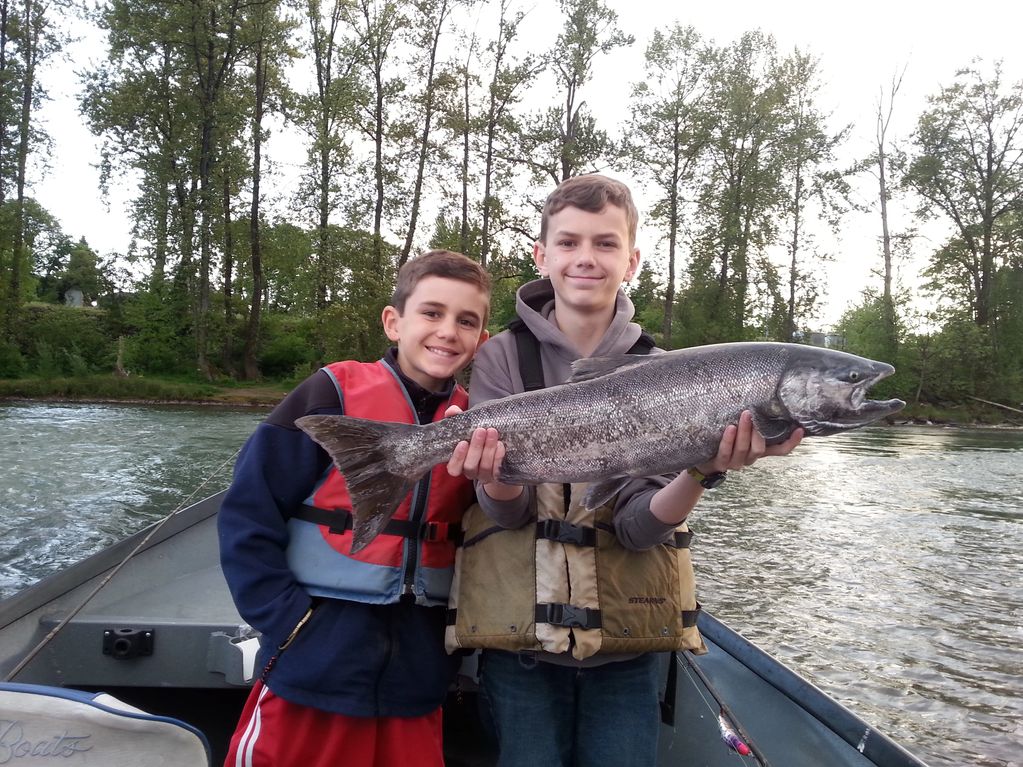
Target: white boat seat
{"x":50,"y":725}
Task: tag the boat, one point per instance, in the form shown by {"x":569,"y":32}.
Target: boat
{"x":149,"y":622}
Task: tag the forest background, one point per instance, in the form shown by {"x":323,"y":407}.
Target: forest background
{"x":441,"y":123}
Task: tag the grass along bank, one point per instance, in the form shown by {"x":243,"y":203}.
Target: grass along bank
{"x":145,"y":390}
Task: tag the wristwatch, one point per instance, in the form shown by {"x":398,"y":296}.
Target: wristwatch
{"x":708,"y":481}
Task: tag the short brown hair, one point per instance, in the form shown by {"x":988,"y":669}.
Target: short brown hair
{"x":592,"y":193}
{"x":439,"y":263}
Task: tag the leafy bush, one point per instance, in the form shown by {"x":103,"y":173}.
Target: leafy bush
{"x":12,"y":362}
{"x":159,"y":334}
{"x":46,"y":363}
{"x":59,"y":338}
{"x":283,"y":354}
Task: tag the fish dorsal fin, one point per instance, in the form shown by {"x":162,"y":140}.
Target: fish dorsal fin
{"x":596,"y":367}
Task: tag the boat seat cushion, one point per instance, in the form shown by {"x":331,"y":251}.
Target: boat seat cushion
{"x":50,"y":725}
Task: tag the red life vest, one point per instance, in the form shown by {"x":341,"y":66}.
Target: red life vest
{"x":391,"y":564}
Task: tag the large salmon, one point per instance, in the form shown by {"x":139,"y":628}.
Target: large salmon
{"x":618,"y":417}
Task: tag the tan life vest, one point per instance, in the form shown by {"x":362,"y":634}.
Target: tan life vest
{"x":565,"y":583}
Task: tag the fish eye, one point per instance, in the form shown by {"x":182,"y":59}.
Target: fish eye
{"x":854,"y":377}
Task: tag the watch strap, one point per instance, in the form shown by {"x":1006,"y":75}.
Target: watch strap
{"x":707,"y":481}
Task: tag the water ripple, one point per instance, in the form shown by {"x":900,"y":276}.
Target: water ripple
{"x":77,"y":478}
{"x":884,"y":566}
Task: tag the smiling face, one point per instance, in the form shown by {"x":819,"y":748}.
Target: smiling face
{"x":439,"y":331}
{"x":587,"y":257}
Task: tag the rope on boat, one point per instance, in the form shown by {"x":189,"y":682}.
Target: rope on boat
{"x":724,"y":709}
{"x":117,"y":568}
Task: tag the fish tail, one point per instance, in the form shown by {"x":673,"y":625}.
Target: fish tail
{"x":367,"y":454}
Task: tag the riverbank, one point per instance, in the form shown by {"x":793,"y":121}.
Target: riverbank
{"x":140,"y":390}
{"x":156,"y":391}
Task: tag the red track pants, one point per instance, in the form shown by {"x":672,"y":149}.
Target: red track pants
{"x":275,"y":733}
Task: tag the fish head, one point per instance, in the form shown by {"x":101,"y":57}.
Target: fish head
{"x":824,"y":391}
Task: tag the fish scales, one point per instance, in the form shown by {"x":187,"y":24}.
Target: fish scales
{"x":630,"y":416}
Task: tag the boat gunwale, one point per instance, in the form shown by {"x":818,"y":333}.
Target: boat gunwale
{"x":851,"y":728}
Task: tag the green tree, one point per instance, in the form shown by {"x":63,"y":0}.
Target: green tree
{"x":812,"y":185}
{"x":670,"y":130}
{"x":431,"y":16}
{"x":269,"y":53}
{"x":327,"y":115}
{"x":967,"y":165}
{"x":564,"y":140}
{"x":376,"y":25}
{"x":489,"y":131}
{"x":84,"y":273}
{"x":734,"y":290}
{"x":34,"y":37}
{"x":885,"y":163}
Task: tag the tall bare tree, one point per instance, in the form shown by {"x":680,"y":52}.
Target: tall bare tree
{"x":882,"y":163}
{"x":431,"y":16}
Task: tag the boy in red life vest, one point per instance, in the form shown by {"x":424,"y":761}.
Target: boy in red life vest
{"x":352,"y":646}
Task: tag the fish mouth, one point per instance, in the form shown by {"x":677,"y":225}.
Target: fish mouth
{"x":855,"y":410}
{"x":860,"y":410}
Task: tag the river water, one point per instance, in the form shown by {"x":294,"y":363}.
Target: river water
{"x":884,"y":565}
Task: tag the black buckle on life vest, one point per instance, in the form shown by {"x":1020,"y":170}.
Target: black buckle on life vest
{"x":560,"y":614}
{"x":442,"y":531}
{"x":565,"y":532}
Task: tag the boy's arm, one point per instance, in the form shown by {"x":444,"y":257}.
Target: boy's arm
{"x":648,"y":510}
{"x":276,"y":470}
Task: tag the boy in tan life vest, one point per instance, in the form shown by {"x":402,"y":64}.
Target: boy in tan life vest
{"x":571,"y":606}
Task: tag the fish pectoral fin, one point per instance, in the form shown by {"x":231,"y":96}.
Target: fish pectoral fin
{"x":599,"y":493}
{"x":773,"y":430}
{"x":589,"y":368}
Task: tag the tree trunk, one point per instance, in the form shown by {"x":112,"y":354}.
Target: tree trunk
{"x":227,"y":352}
{"x":424,"y":139}
{"x":252,"y":329}
{"x":797,"y":210}
{"x":4,"y":75}
{"x":32,"y":23}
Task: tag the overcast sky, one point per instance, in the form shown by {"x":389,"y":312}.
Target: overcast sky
{"x":861,"y":46}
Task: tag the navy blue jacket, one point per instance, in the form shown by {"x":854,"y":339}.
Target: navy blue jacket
{"x":350,"y":658}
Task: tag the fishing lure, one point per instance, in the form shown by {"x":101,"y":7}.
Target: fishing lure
{"x":728,"y":736}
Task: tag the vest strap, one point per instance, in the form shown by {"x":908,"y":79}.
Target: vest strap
{"x":689,"y":617}
{"x":679,"y":540}
{"x":577,"y":617}
{"x":530,"y":364}
{"x":340,"y":521}
{"x":566,"y":532}
{"x":469,"y":542}
{"x":561,"y":614}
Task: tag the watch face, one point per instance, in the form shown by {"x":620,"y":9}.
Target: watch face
{"x":713,"y":480}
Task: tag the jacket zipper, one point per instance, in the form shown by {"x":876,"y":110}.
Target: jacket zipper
{"x":419,"y":501}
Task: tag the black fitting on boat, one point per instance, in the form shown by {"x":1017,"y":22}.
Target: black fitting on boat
{"x":125,"y":643}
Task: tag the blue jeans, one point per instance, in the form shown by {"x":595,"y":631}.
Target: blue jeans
{"x":546,"y":715}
